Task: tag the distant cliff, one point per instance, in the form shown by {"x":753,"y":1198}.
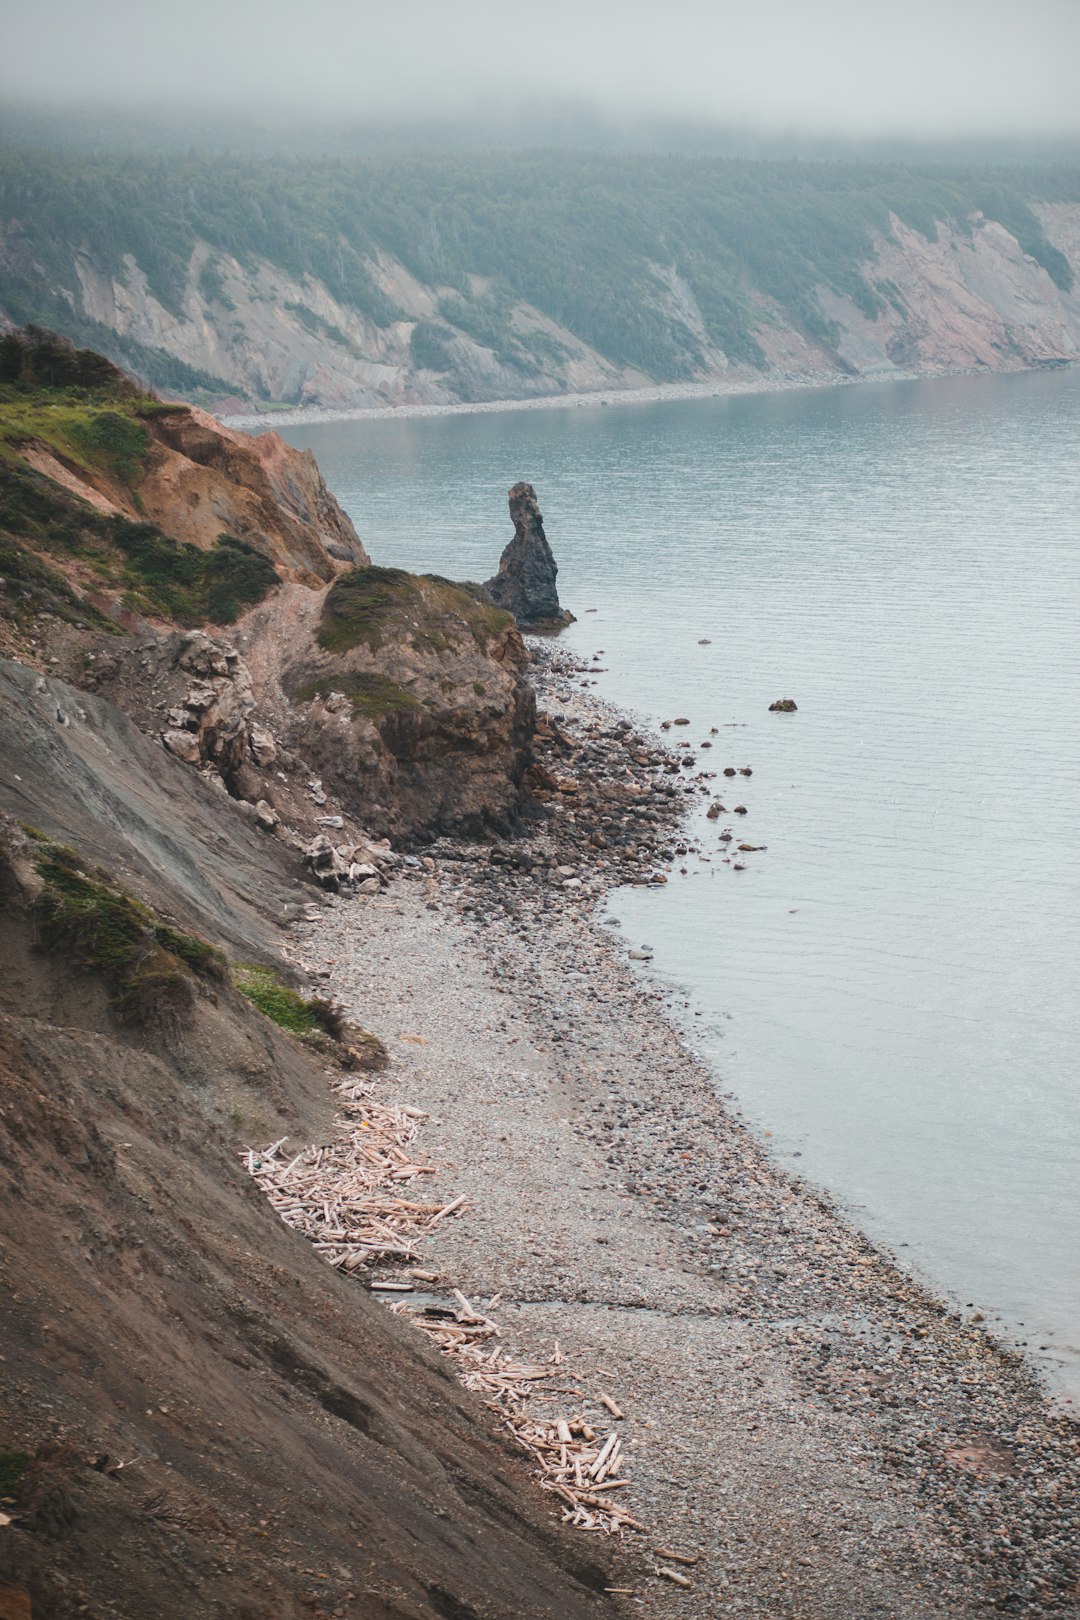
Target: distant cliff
{"x":473,"y":277}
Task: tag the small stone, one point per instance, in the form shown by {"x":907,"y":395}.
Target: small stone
{"x":183,"y":744}
{"x":262,"y":745}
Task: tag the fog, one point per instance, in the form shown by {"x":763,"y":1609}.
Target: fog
{"x":919,"y":68}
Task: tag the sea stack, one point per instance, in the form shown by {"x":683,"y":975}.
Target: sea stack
{"x":525,"y":584}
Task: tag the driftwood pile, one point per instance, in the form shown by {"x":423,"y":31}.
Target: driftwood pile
{"x":341,"y":1195}
{"x":575,"y":1461}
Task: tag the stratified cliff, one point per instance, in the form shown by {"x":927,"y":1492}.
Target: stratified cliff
{"x":482,"y":277}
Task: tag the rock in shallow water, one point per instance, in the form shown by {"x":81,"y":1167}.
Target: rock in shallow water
{"x":525,"y":584}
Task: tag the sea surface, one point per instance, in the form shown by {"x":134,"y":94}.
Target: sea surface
{"x":891,"y":988}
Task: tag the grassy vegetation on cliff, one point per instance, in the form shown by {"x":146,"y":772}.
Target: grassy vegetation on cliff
{"x":370,"y":695}
{"x":150,"y":968}
{"x":153,"y":574}
{"x":29,"y":586}
{"x":184,"y":583}
{"x":588,"y":238}
{"x":93,"y":418}
{"x":372,"y":605}
{"x":284,"y":1007}
{"x":310,"y":1018}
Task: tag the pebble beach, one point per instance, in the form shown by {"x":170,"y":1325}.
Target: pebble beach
{"x":807,"y":1431}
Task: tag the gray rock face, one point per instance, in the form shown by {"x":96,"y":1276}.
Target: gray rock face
{"x":525,"y":584}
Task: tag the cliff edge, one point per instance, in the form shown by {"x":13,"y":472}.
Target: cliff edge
{"x":135,"y":533}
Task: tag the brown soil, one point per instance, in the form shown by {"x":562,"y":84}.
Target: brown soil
{"x":219,"y":1424}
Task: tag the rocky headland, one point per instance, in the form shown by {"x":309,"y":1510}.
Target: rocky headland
{"x":308,"y":1006}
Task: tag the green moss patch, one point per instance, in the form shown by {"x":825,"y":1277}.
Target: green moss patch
{"x":198,"y":954}
{"x":360,"y":605}
{"x":370,"y":695}
{"x":312,"y":1019}
{"x":149,"y":968}
{"x":372,"y":605}
{"x":302,"y":1016}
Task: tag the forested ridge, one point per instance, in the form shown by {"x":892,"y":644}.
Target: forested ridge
{"x":584,"y":237}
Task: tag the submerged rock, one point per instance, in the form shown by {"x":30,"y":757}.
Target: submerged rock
{"x":783,"y":706}
{"x":525,"y":584}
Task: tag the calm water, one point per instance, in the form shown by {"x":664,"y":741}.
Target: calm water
{"x":891,"y":989}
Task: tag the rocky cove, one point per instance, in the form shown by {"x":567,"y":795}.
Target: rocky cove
{"x":285,"y":882}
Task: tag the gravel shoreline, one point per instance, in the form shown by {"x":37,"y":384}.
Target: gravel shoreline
{"x":651,"y":395}
{"x":654,"y":394}
{"x":828,"y":1438}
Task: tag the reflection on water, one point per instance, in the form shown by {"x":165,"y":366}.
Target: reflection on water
{"x":891,"y":988}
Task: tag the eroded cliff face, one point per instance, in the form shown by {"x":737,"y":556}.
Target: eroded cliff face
{"x":969,"y":298}
{"x":288,"y":340}
{"x":196,"y":480}
{"x":962,"y":303}
{"x":407,"y":693}
{"x":200,"y":1417}
{"x":201,"y":477}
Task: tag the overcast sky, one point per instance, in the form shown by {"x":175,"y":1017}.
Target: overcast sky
{"x":919,"y":67}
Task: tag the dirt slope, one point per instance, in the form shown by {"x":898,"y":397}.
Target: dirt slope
{"x":289,"y":1448}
